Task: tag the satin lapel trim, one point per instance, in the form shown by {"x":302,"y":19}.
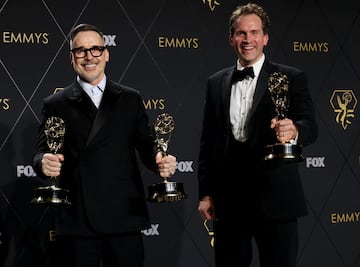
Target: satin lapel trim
{"x":105,"y":109}
{"x":83,"y":102}
{"x":226,"y":92}
{"x":261,"y":85}
{"x":261,"y":88}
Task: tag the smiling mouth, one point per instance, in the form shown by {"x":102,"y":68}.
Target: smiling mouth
{"x":89,"y":66}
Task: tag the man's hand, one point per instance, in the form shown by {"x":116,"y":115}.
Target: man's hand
{"x":51,"y":164}
{"x":206,"y":208}
{"x":166,"y":164}
{"x":285,"y":129}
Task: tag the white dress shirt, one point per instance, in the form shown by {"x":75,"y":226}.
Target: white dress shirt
{"x":95,"y":92}
{"x":241,"y":100}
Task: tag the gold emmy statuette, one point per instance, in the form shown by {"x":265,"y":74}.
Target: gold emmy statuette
{"x":278,"y":85}
{"x":165,"y":191}
{"x":53,"y":195}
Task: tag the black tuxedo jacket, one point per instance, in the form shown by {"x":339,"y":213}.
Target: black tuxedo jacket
{"x":100,"y":167}
{"x":241,"y":178}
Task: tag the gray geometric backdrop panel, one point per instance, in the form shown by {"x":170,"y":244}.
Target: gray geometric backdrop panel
{"x":167,"y":49}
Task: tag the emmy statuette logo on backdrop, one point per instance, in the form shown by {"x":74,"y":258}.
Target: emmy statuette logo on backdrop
{"x":165,"y":191}
{"x":52,"y":195}
{"x":278,"y":85}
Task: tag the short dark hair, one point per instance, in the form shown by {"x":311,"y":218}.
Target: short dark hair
{"x":83,"y":28}
{"x":247,"y":9}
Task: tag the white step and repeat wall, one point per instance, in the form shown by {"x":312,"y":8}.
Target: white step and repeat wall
{"x":167,"y":49}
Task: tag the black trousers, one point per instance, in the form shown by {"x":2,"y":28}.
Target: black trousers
{"x":240,"y":220}
{"x":121,"y":250}
{"x":277,"y":242}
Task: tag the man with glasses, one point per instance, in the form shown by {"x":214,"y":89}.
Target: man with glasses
{"x":106,"y":127}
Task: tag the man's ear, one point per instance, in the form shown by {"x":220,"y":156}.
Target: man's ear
{"x":71,"y":57}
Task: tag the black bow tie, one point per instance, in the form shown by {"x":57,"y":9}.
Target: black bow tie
{"x":240,"y":75}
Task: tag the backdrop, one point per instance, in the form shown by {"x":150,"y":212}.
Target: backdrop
{"x":167,"y":49}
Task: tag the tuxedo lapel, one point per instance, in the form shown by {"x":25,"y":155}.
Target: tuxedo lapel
{"x":261,"y":87}
{"x":226,"y":93}
{"x":262,"y":83}
{"x":107,"y":104}
{"x":260,"y":90}
{"x":82,"y":101}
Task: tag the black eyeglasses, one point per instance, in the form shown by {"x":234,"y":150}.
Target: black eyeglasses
{"x":95,"y":51}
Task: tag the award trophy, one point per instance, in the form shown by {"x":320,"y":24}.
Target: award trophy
{"x":165,"y":191}
{"x":278,"y":85}
{"x":53,"y":195}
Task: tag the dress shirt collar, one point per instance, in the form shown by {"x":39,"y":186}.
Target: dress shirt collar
{"x":88,"y":87}
{"x":257,"y":66}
